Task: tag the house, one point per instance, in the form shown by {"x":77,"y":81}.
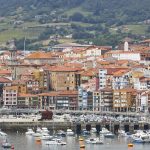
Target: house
{"x":48,"y":100}
{"x":121,"y":79}
{"x":106,"y":99}
{"x":10,"y":96}
{"x":124,"y":100}
{"x":123,"y":55}
{"x":42,"y":58}
{"x":63,"y":78}
{"x":3,"y":82}
{"x":27,"y":101}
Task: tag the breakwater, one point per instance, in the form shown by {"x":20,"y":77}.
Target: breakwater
{"x":77,"y":127}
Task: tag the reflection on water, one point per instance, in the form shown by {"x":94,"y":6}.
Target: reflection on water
{"x":23,"y":142}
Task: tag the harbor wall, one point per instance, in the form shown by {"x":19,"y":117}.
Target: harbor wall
{"x":77,"y":127}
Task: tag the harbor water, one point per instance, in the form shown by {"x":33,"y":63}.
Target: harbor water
{"x":24,"y":142}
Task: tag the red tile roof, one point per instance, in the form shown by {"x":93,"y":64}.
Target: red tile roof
{"x":4,"y":80}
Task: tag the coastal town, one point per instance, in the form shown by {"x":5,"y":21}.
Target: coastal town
{"x":77,"y":77}
{"x":97,"y":92}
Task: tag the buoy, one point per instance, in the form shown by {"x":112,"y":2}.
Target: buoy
{"x":82,"y":146}
{"x":12,"y":147}
{"x":80,"y":139}
{"x":130,"y":145}
{"x":38,"y":140}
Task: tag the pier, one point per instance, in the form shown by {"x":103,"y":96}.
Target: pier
{"x":23,"y":124}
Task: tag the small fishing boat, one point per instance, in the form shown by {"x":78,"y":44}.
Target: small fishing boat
{"x":6,"y":144}
{"x":3,"y":134}
{"x":94,"y":141}
{"x":38,"y":133}
{"x":61,"y":133}
{"x":70,"y":132}
{"x":29,"y":132}
{"x":55,"y":142}
{"x":109,"y":135}
{"x":45,"y":136}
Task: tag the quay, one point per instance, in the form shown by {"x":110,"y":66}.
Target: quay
{"x":22,"y":125}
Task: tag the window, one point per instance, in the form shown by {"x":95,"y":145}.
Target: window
{"x":67,"y":88}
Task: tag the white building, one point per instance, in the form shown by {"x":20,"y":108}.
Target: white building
{"x":124,"y":55}
{"x":102,"y":78}
{"x":10,"y":96}
{"x":121,"y":79}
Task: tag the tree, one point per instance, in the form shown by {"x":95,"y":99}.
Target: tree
{"x":77,"y":17}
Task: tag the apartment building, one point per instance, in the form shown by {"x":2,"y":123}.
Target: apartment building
{"x":10,"y":96}
{"x":124,"y":99}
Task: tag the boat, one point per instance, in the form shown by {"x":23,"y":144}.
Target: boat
{"x":70,"y":132}
{"x":6,"y":144}
{"x":3,"y":134}
{"x":45,"y":130}
{"x":55,"y":142}
{"x":104,"y":131}
{"x":85,"y":132}
{"x":94,"y":141}
{"x":45,"y":136}
{"x":140,"y":138}
{"x":93,"y":130}
{"x":38,"y":133}
{"x":29,"y":132}
{"x":61,"y":133}
{"x":109,"y":135}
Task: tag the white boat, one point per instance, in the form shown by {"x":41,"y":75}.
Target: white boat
{"x":38,"y":133}
{"x":104,"y":131}
{"x":6,"y":144}
{"x":93,"y":130}
{"x":70,"y":132}
{"x":29,"y":132}
{"x":45,"y":136}
{"x":94,"y":141}
{"x":122,"y":133}
{"x":45,"y":130}
{"x":109,"y":135}
{"x":3,"y":134}
{"x":55,"y":142}
{"x":61,"y":133}
{"x":140,"y":137}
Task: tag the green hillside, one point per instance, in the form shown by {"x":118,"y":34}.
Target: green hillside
{"x":97,"y":21}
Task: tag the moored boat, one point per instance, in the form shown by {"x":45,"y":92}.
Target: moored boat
{"x":70,"y":132}
{"x":29,"y":132}
{"x":94,"y":141}
{"x":55,"y":142}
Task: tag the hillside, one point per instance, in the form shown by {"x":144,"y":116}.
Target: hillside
{"x":97,"y":21}
{"x":110,"y":11}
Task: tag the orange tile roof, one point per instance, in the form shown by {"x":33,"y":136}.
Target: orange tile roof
{"x":3,"y":72}
{"x":4,"y":80}
{"x":39,"y":55}
{"x":68,"y":93}
{"x":126,"y":90}
{"x":146,"y":41}
{"x":11,"y":88}
{"x":17,"y":82}
{"x":63,"y":69}
{"x":26,"y":95}
{"x":53,"y":93}
{"x":120,"y":72}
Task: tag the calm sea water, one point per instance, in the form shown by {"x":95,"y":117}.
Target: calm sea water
{"x":23,"y":142}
